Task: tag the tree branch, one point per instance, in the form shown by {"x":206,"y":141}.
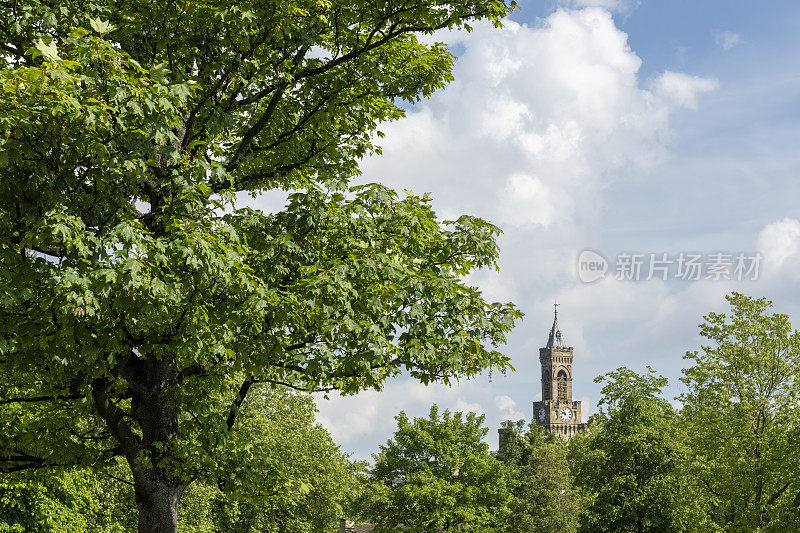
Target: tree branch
{"x":32,"y":399}
{"x":261,"y":123}
{"x":237,"y":403}
{"x":114,"y":418}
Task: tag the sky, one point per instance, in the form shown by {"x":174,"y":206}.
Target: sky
{"x":621,"y":127}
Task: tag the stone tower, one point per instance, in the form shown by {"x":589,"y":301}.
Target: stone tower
{"x":557,"y":412}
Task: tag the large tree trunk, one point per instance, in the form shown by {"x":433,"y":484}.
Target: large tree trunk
{"x":157,"y":491}
{"x":157,"y":497}
{"x":150,"y":454}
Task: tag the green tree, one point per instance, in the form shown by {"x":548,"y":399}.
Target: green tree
{"x":742,"y":411}
{"x":283,"y":435}
{"x":628,"y":460}
{"x":139,"y":304}
{"x":545,"y":499}
{"x":436,"y":474}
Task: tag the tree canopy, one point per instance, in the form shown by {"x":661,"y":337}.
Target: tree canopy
{"x":629,"y":459}
{"x":436,"y":474}
{"x":741,"y":409}
{"x":139,"y":304}
{"x":282,"y":439}
{"x":545,"y":498}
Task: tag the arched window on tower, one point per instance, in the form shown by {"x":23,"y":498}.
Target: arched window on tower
{"x":561,"y":378}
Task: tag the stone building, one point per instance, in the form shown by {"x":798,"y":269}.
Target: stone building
{"x":557,"y":411}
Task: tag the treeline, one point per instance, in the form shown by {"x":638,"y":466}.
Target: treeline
{"x":722,"y":458}
{"x":725,"y":460}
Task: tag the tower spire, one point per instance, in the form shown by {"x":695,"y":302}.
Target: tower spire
{"x":555,"y":339}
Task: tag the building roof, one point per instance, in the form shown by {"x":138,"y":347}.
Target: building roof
{"x":556,"y":339}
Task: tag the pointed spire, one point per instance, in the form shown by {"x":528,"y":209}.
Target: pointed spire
{"x":555,"y":340}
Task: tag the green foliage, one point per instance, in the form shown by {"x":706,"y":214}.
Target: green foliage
{"x":139,"y":304}
{"x":372,"y":280}
{"x":628,"y":460}
{"x":68,"y":501}
{"x":742,"y":410}
{"x":115,"y":510}
{"x":436,"y":474}
{"x":59,"y":504}
{"x":280,"y":435}
{"x":545,"y":499}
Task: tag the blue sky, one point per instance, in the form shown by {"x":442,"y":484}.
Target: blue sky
{"x":652,"y":127}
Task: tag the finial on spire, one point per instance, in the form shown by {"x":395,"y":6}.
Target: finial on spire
{"x":555,"y":339}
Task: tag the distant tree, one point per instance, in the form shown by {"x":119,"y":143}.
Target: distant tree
{"x":436,"y":474}
{"x":628,"y":461}
{"x":61,"y":502}
{"x":140,"y":304}
{"x":280,"y":432}
{"x":545,"y":499}
{"x":517,"y":441}
{"x":742,"y":414}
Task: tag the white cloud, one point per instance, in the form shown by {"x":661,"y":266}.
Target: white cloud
{"x":537,"y":119}
{"x":682,"y":90}
{"x":643,"y":314}
{"x":493,"y":285}
{"x":351,"y":418}
{"x":504,"y":403}
{"x":529,"y":200}
{"x":507,"y":408}
{"x":726,"y":39}
{"x":469,"y":407}
{"x":348,"y":420}
{"x":503,"y":118}
{"x":587,"y":408}
{"x":780,"y":241}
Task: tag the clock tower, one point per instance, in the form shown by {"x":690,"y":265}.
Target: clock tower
{"x":557,"y":412}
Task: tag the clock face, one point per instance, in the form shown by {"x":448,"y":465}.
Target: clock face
{"x":566,"y":414}
{"x":542,"y":414}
